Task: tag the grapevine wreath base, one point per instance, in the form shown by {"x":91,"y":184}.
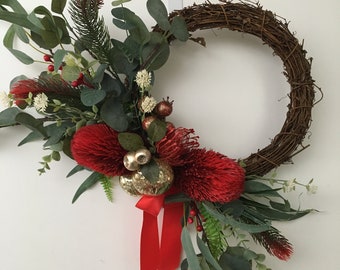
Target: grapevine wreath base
{"x":101,"y":113}
{"x":247,"y":17}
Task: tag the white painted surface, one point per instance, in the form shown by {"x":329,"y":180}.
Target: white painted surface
{"x":229,"y":93}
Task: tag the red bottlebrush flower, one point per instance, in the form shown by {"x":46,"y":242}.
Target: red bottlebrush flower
{"x":22,"y":88}
{"x":275,"y":243}
{"x":47,"y":85}
{"x":211,"y":176}
{"x":97,"y":148}
{"x":176,"y":145}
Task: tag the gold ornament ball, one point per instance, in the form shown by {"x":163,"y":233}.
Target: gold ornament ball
{"x":130,"y":161}
{"x":125,"y":181}
{"x":164,"y":182}
{"x":142,"y":156}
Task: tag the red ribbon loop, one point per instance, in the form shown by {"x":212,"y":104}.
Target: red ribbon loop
{"x":164,"y":254}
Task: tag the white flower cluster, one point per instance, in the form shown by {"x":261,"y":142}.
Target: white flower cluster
{"x":5,"y":100}
{"x":40,"y":102}
{"x":143,"y":79}
{"x":148,"y":104}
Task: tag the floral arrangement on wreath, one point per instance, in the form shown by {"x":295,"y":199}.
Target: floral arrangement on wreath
{"x":95,"y":105}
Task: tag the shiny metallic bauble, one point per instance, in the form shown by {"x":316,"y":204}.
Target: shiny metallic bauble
{"x":130,"y":162}
{"x":164,"y":182}
{"x":125,"y":181}
{"x":142,"y":156}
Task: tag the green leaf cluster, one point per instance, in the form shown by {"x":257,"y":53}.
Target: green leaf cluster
{"x":47,"y":30}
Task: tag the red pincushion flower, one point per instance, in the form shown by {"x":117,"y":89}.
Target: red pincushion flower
{"x":211,"y":176}
{"x":97,"y":148}
{"x":176,"y":145}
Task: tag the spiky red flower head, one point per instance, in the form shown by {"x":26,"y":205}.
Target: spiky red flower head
{"x":211,"y":176}
{"x":48,"y":85}
{"x":176,"y":145}
{"x":22,"y":88}
{"x":275,"y":243}
{"x":97,"y":148}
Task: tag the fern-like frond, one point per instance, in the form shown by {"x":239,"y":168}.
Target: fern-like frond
{"x":213,"y":231}
{"x":92,"y":31}
{"x":108,"y":187}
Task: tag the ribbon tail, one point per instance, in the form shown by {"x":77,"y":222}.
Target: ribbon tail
{"x":171,"y":245}
{"x":149,"y":251}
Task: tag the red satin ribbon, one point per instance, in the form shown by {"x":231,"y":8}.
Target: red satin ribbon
{"x":156,"y":254}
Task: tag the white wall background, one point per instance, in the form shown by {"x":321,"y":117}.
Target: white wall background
{"x":40,"y":228}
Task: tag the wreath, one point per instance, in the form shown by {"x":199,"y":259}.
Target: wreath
{"x":95,"y":105}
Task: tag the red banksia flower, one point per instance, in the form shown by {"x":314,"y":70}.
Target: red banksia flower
{"x":211,"y":176}
{"x":175,"y":147}
{"x":275,"y":244}
{"x":97,"y":148}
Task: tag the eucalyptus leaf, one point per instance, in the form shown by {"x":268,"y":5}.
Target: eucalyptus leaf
{"x":111,"y":86}
{"x":188,"y":247}
{"x":156,"y":52}
{"x":259,"y":188}
{"x":157,"y":130}
{"x":19,"y":19}
{"x":77,"y":168}
{"x":130,"y":21}
{"x":88,"y":183}
{"x":70,"y":73}
{"x":58,"y":58}
{"x":22,"y":57}
{"x":112,"y":113}
{"x":100,"y":72}
{"x":55,"y":133}
{"x":56,"y":156}
{"x":130,"y":141}
{"x":21,"y":33}
{"x":121,"y":62}
{"x":7,"y":116}
{"x":207,"y":254}
{"x":119,"y":2}
{"x":285,"y":207}
{"x":151,"y":171}
{"x":17,"y":79}
{"x":8,"y":42}
{"x":14,"y":4}
{"x":158,"y":11}
{"x":31,"y":137}
{"x":90,"y":97}
{"x":32,"y":17}
{"x":58,"y":6}
{"x":179,"y":28}
{"x":232,"y":262}
{"x":30,"y":122}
